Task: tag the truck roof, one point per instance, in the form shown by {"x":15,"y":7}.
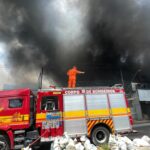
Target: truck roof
{"x":24,"y":91}
{"x":79,"y":90}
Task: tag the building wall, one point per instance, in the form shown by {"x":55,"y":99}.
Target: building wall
{"x":144,"y":98}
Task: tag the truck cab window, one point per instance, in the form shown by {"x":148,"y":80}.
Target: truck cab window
{"x":15,"y":103}
{"x":49,"y":103}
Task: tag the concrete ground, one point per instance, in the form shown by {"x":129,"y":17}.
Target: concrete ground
{"x":142,"y":129}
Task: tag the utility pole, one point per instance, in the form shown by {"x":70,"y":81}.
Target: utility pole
{"x":40,"y":80}
{"x":122,"y":80}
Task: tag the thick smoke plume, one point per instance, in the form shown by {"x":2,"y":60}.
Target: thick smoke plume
{"x":95,"y":35}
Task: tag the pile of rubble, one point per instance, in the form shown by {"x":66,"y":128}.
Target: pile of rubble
{"x":67,"y":143}
{"x":117,"y":142}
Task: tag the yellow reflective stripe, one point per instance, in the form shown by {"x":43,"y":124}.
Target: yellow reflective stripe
{"x":56,"y":92}
{"x":25,"y":117}
{"x":96,"y":113}
{"x":72,"y":114}
{"x":103,"y":112}
{"x":41,"y":116}
{"x":90,"y":113}
{"x":128,"y":109}
{"x":119,"y":111}
{"x":14,"y":123}
{"x":9,"y":119}
{"x":6,"y":120}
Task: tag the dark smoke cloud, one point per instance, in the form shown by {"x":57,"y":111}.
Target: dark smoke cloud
{"x":121,"y":33}
{"x":98,"y":36}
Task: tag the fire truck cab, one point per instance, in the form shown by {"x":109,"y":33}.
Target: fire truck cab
{"x":17,"y":117}
{"x":93,"y":111}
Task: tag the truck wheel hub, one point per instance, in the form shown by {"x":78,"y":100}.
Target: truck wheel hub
{"x":100,"y":136}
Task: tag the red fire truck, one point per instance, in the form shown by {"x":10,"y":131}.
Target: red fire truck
{"x":94,"y":111}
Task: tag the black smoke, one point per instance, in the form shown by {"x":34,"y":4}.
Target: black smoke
{"x":101,"y":37}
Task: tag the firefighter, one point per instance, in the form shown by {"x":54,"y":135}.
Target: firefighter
{"x":72,"y":73}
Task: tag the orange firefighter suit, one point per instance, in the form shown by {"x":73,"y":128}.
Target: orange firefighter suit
{"x":72,"y":73}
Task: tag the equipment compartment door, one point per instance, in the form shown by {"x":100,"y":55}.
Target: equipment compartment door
{"x":74,"y":115}
{"x":97,"y":105}
{"x":119,"y":112}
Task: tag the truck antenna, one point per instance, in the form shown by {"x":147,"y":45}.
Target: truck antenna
{"x":40,"y":79}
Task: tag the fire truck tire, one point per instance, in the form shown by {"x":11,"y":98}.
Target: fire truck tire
{"x":100,"y":135}
{"x":4,"y":143}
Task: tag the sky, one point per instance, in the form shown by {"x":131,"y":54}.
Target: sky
{"x":3,"y":68}
{"x":99,"y":37}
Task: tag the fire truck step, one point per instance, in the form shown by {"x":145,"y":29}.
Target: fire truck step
{"x":18,"y":146}
{"x":18,"y":139}
{"x":19,"y":131}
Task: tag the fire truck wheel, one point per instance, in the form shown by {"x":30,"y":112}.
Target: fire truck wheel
{"x":100,"y":135}
{"x":4,"y":144}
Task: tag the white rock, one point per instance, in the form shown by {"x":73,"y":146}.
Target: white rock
{"x":87,"y":145}
{"x":71,"y":145}
{"x":146,"y":138}
{"x":87,"y":141}
{"x":56,"y":141}
{"x":113,"y":143}
{"x":57,"y":148}
{"x":63,"y":142}
{"x":93,"y":147}
{"x":75,"y":141}
{"x":79,"y":146}
{"x":122,"y":145}
{"x":112,"y":139}
{"x":127,"y":140}
{"x":55,"y":145}
{"x":119,"y":138}
{"x":66,"y":135}
{"x":62,"y":146}
{"x":26,"y":148}
{"x":71,"y":142}
{"x":83,"y":138}
{"x":140,"y":142}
